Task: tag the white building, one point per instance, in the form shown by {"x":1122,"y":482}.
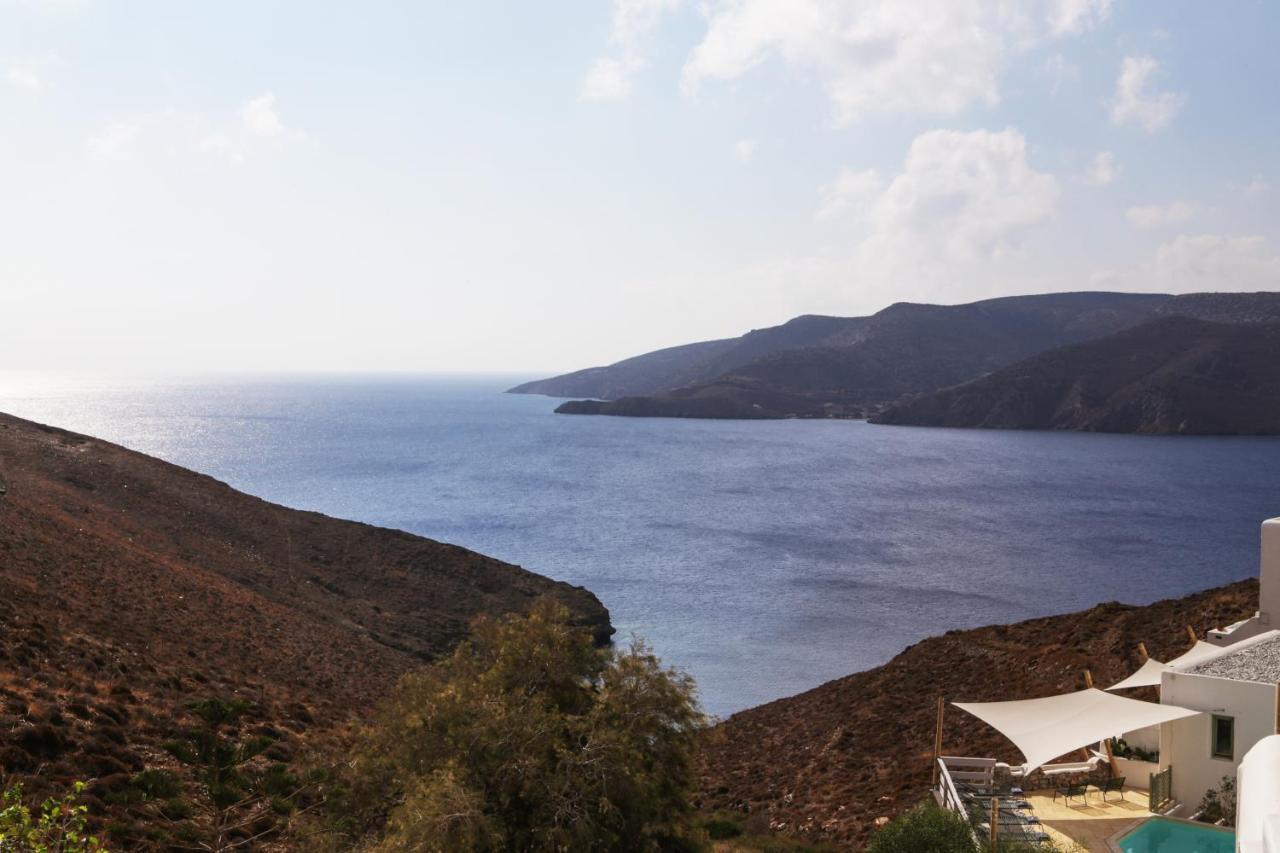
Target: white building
{"x":1237,"y":688}
{"x":1237,"y":691}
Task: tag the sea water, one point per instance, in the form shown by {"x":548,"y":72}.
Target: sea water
{"x":764,"y":557}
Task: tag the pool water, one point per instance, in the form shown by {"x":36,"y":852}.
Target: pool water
{"x":1160,"y":835}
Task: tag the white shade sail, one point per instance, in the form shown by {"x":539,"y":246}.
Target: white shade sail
{"x":1148,"y":675}
{"x":1044,"y":729}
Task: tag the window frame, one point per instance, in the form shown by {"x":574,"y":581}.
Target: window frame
{"x":1214,"y":720}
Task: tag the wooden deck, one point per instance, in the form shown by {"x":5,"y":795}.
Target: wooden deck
{"x":1090,"y":821}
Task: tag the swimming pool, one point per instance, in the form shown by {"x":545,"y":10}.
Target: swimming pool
{"x":1162,"y":835}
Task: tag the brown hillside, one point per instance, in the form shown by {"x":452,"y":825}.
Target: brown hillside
{"x":825,"y":764}
{"x":129,"y":587}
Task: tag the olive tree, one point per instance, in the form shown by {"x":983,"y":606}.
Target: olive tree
{"x":528,"y":737}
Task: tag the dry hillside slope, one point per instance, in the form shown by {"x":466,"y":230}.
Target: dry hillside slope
{"x":129,"y":586}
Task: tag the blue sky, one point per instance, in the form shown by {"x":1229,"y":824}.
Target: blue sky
{"x":538,"y":186}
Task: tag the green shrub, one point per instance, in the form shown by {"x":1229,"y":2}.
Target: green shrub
{"x":718,"y":829}
{"x":176,"y":808}
{"x":59,"y":825}
{"x":1219,"y":804}
{"x":530,"y":738}
{"x":156,"y":784}
{"x":925,"y":827}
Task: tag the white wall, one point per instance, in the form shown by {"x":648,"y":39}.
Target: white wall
{"x":1269,"y":575}
{"x":1186,"y":743}
{"x":1258,"y":798}
{"x":1146,"y":738}
{"x":1268,"y":615}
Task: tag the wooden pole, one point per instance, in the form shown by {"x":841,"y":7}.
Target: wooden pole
{"x":1088,"y":683}
{"x":1191,"y":632}
{"x":1142,"y":653}
{"x":1111,"y":759}
{"x":995,"y":822}
{"x":937,"y":739}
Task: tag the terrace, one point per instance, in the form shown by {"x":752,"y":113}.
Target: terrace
{"x":981,"y":789}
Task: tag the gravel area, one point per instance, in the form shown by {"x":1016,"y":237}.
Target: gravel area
{"x":1259,"y":662}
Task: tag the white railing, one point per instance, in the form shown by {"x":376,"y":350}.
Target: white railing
{"x":946,"y":794}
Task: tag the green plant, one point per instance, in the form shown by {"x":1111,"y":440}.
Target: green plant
{"x":155,"y":784}
{"x":59,"y":826}
{"x":925,"y":827}
{"x":1121,"y":748}
{"x":1219,"y":804}
{"x":719,"y":829}
{"x":530,"y":738}
{"x":244,"y":798}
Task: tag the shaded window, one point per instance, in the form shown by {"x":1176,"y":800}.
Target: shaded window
{"x":1224,"y":737}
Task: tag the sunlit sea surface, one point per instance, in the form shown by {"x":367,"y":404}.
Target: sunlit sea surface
{"x":763,"y":557}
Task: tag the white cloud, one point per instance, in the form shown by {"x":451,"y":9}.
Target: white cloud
{"x":259,"y":116}
{"x":633,"y":22}
{"x":744,"y":150}
{"x":1059,"y":71}
{"x":172,"y":133}
{"x":1194,"y":263}
{"x":851,"y":191}
{"x":115,"y":140}
{"x":222,"y":146}
{"x":1160,"y":216}
{"x":1256,"y":187}
{"x":1216,"y":262}
{"x":1135,"y":101}
{"x":1075,"y":16}
{"x":962,"y":196}
{"x":1103,"y":170}
{"x":608,"y":80}
{"x":959,"y":221}
{"x":23,"y":79}
{"x":925,"y":56}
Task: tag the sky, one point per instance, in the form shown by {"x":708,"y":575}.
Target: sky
{"x":541,"y":186}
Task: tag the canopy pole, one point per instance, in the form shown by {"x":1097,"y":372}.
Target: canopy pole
{"x":1088,"y":683}
{"x":1111,"y":758}
{"x":1142,"y":652}
{"x":995,"y":824}
{"x":1278,"y":708}
{"x":937,"y":739}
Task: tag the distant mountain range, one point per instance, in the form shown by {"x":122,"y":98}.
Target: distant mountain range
{"x":959,"y":365}
{"x":1172,"y":375}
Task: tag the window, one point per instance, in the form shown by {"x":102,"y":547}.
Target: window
{"x":1223,"y":732}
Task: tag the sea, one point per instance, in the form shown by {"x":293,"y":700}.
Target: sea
{"x":762,"y":557}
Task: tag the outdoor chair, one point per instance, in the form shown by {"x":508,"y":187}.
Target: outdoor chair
{"x":1106,"y":787}
{"x":1069,"y":791}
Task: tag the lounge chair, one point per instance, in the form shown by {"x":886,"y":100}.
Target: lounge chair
{"x":1116,"y":784}
{"x":1069,"y":791}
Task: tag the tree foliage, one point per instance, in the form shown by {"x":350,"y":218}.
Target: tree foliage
{"x":58,"y":826}
{"x":1219,"y":804}
{"x":925,"y":827}
{"x":530,"y":738}
{"x":245,"y":797}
